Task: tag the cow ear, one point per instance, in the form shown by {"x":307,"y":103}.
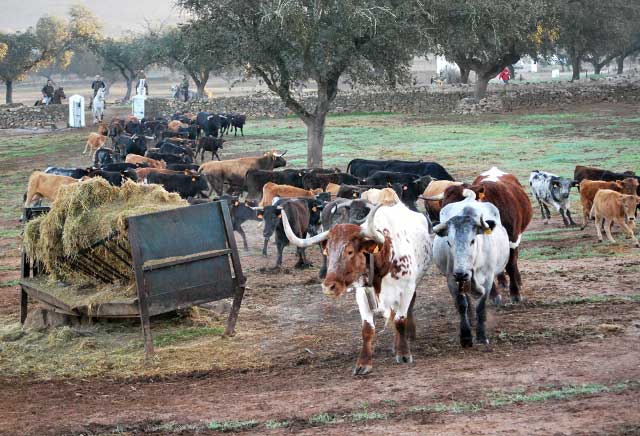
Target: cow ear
{"x":323,"y":245}
{"x":260,"y":215}
{"x":369,"y":246}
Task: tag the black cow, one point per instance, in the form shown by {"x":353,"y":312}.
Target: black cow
{"x":104,"y":156}
{"x":182,"y":167}
{"x":225,"y":123}
{"x":386,"y":177}
{"x":207,"y":143}
{"x":315,"y":180}
{"x":131,"y":144}
{"x":169,"y":148}
{"x":364,"y":167}
{"x":134,"y":128}
{"x":170,"y":158}
{"x":76,"y":173}
{"x":413,"y":190}
{"x":240,"y":213}
{"x":209,"y":123}
{"x":185,"y":185}
{"x":590,"y":173}
{"x":256,"y":179}
{"x":302,"y":217}
{"x":237,"y":122}
{"x":115,"y":178}
{"x":354,"y":191}
{"x":121,"y":166}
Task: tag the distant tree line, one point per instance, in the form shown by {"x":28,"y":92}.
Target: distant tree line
{"x":369,"y":42}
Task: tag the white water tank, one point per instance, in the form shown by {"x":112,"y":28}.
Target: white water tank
{"x":76,"y":111}
{"x":137,"y":106}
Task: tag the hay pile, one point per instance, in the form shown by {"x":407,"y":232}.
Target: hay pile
{"x":86,"y":213}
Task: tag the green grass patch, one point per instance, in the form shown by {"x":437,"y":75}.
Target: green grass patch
{"x":185,"y":334}
{"x":564,"y":393}
{"x":577,"y":251}
{"x":228,"y":426}
{"x":273,"y":424}
{"x":13,"y":282}
{"x":366,"y":416}
{"x":323,"y":419}
{"x":10,"y":233}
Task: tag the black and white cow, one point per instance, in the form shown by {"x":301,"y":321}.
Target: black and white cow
{"x":552,"y":190}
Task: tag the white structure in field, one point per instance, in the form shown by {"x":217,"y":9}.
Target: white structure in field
{"x":555,"y":74}
{"x":137,"y":106}
{"x":443,"y":65}
{"x":534,"y":66}
{"x":76,"y":111}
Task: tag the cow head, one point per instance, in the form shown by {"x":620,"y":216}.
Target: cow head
{"x":628,"y":185}
{"x":628,"y":204}
{"x":560,"y":188}
{"x":460,"y":233}
{"x":271,"y":216}
{"x":276,"y":160}
{"x":345,"y":246}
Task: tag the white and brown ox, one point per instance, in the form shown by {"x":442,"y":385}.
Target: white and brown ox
{"x":400,"y":242}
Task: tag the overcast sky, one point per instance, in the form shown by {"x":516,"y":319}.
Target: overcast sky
{"x":117,"y":16}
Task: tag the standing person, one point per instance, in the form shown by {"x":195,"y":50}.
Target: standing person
{"x":47,"y":92}
{"x":142,"y":88}
{"x":95,"y":85}
{"x":184,"y":87}
{"x":505,"y":75}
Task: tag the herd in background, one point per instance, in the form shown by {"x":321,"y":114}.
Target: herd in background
{"x":366,"y":220}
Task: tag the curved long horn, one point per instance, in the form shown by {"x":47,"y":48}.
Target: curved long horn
{"x":302,"y":243}
{"x":440,"y":227}
{"x":370,"y":230}
{"x":468,"y":193}
{"x":433,"y":197}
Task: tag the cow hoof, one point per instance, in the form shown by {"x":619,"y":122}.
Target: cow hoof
{"x":466,"y":342}
{"x":362,"y":370}
{"x":497,"y":301}
{"x":404,"y":359}
{"x":516,"y":298}
{"x":303,"y":265}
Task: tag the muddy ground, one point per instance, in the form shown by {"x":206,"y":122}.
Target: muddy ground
{"x":565,"y":361}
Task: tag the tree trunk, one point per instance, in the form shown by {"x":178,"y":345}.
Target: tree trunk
{"x":9,"y":96}
{"x":127,"y":96}
{"x":597,"y":68}
{"x":575,"y":64}
{"x":464,"y":74}
{"x":620,"y":62}
{"x":482,"y":81}
{"x":315,"y":140}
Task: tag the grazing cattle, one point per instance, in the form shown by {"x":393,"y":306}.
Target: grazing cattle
{"x":105,"y":156}
{"x":317,"y":180}
{"x":234,"y":171}
{"x":76,"y":173}
{"x":46,"y":186}
{"x":302,"y":216}
{"x":237,"y":122}
{"x":208,"y":123}
{"x":182,"y":167}
{"x":94,"y":142}
{"x":611,"y":206}
{"x":590,"y":173}
{"x":185,"y":185}
{"x":272,"y":190}
{"x":552,"y":190}
{"x":364,"y":168}
{"x":225,"y":123}
{"x":386,"y":196}
{"x":135,"y":159}
{"x":507,"y":194}
{"x":433,"y":195}
{"x":169,"y":157}
{"x":256,"y":179}
{"x":207,"y":143}
{"x":400,"y":242}
{"x":471,"y":248}
{"x":589,"y":188}
{"x":115,"y":178}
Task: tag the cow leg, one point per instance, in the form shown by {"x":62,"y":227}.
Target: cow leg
{"x":481,"y":317}
{"x":629,"y":229}
{"x":541,"y":208}
{"x":264,"y":247}
{"x":607,"y":228}
{"x":244,"y":237}
{"x":280,"y":246}
{"x":564,"y":218}
{"x":598,"y":229}
{"x":571,"y":221}
{"x":302,"y":263}
{"x":462,"y":303}
{"x":411,"y":320}
{"x":323,"y":270}
{"x":242,"y":130}
{"x":364,"y":364}
{"x":585,"y":218}
{"x":514,"y":276}
{"x":494,"y":295}
{"x":548,"y":213}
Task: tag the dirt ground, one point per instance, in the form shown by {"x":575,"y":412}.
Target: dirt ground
{"x":565,"y":361}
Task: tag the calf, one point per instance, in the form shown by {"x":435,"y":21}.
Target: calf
{"x":611,"y":206}
{"x":176,"y":125}
{"x":94,"y":142}
{"x":354,"y":191}
{"x":142,"y":173}
{"x":136,"y":159}
{"x":240,"y":213}
{"x":471,"y":248}
{"x":76,"y":173}
{"x":208,"y":143}
{"x":272,"y":190}
{"x":552,"y":190}
{"x":46,"y":186}
{"x":589,"y":188}
{"x":400,"y":242}
{"x":185,"y":185}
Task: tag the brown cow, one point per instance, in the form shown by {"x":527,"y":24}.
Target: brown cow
{"x":103,"y":129}
{"x":385,"y":196}
{"x":135,"y":159}
{"x":271,"y":190}
{"x":581,"y":173}
{"x":176,"y":125}
{"x":433,"y":195}
{"x":142,"y":173}
{"x":94,"y":142}
{"x":234,"y":171}
{"x":611,"y":206}
{"x":333,"y":188}
{"x":42,"y":185}
{"x":589,"y":188}
{"x":507,"y":194}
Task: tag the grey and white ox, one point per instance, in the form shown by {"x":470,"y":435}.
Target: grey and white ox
{"x":471,"y":248}
{"x":552,"y":190}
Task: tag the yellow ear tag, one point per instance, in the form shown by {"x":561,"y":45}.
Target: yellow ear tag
{"x":487,"y":231}
{"x":481,"y":196}
{"x":375,"y":250}
{"x":324,"y":251}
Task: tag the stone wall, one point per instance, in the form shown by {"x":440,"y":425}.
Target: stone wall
{"x":17,"y":115}
{"x":425,"y":100}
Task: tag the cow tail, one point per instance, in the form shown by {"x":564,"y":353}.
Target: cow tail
{"x":514,"y":245}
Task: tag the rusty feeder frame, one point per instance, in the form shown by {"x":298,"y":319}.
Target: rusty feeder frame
{"x":180,"y":258}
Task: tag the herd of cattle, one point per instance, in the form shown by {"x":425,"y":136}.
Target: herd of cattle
{"x":366,"y":220}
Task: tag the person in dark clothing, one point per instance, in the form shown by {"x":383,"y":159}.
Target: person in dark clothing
{"x":184,"y":87}
{"x":95,"y":85}
{"x":47,"y":92}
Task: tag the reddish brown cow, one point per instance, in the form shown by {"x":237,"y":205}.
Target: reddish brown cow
{"x":612,"y":207}
{"x":589,"y":188}
{"x":507,"y":194}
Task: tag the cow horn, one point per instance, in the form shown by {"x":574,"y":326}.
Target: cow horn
{"x":302,"y":243}
{"x":433,"y":197}
{"x":440,"y":227}
{"x":370,"y":230}
{"x":483,"y":223}
{"x":468,"y":193}
{"x":281,"y":154}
